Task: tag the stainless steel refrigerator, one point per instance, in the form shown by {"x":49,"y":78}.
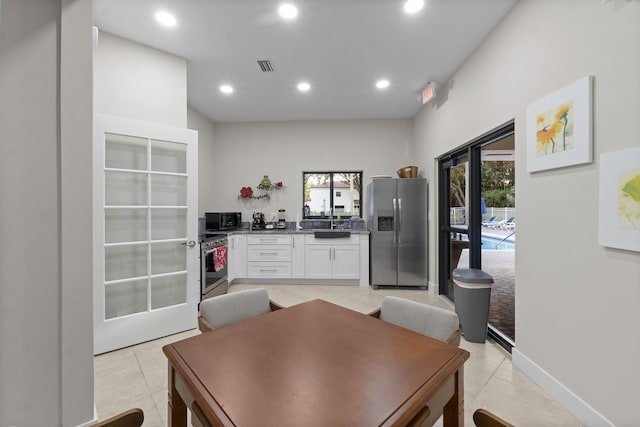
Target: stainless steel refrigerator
{"x":397,"y":221}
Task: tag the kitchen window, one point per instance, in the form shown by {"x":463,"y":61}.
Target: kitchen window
{"x":332,"y":194}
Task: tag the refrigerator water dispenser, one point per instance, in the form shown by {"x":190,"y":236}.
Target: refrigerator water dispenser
{"x":385,"y":223}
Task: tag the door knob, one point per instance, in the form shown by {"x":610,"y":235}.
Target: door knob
{"x":190,"y":243}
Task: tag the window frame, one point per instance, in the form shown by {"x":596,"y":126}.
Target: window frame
{"x":331,"y":174}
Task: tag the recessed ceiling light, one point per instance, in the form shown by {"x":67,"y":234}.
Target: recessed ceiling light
{"x":304,"y":86}
{"x":412,"y":6}
{"x":166,"y":19}
{"x":382,"y":84}
{"x":288,"y":11}
{"x":226,"y":89}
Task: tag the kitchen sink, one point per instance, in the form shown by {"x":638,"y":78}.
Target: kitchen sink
{"x":331,"y":234}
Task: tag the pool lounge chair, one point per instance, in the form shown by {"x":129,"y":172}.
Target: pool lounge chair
{"x":507,"y":223}
{"x":511,"y":225}
{"x":489,"y":223}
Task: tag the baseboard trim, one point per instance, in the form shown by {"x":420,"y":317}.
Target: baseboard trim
{"x":93,"y":421}
{"x":565,"y":397}
{"x":88,"y":423}
{"x":433,"y":288}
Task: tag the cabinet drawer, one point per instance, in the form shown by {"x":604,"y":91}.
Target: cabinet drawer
{"x":269,"y":253}
{"x":351,"y":240}
{"x":271,"y":239}
{"x":269,"y":270}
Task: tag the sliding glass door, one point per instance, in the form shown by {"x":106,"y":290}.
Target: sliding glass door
{"x":476,"y":200}
{"x":454,"y":218}
{"x":498,"y":231}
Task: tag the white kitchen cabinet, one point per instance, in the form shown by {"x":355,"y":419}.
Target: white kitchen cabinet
{"x":237,"y":257}
{"x":318,"y":262}
{"x":269,"y":256}
{"x":269,"y":239}
{"x":269,"y":253}
{"x":269,"y":270}
{"x":297,"y":257}
{"x":332,"y":258}
{"x":346,"y":262}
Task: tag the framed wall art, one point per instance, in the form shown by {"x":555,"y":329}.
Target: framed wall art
{"x":619,"y":205}
{"x":559,"y":128}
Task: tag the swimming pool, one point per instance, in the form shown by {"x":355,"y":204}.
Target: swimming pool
{"x":492,"y":243}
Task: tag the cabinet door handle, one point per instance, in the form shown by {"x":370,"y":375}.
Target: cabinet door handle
{"x":268,"y":254}
{"x":268,"y":271}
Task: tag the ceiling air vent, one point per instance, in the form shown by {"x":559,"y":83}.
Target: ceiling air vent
{"x":265,"y":65}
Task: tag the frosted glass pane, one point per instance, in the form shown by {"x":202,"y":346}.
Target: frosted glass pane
{"x":168,"y":257}
{"x":121,"y":299}
{"x":125,"y":189}
{"x":124,"y":262}
{"x":125,"y":152}
{"x":167,"y":190}
{"x":168,"y":224}
{"x":168,"y":157}
{"x":167,"y":291}
{"x":125,"y":225}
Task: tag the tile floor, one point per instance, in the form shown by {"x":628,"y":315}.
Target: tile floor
{"x":137,"y":376}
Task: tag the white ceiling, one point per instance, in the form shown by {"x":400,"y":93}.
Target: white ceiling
{"x":341,"y":47}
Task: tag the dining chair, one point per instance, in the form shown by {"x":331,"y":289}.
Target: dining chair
{"x":131,"y":418}
{"x":484,"y":418}
{"x":422,"y":318}
{"x":230,"y":308}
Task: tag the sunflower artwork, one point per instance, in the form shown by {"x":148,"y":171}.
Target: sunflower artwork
{"x":559,"y":127}
{"x":554,"y":130}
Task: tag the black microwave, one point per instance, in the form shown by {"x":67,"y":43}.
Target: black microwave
{"x":223,"y":220}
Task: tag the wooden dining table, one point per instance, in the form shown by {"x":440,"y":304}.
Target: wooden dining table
{"x":314,"y":364}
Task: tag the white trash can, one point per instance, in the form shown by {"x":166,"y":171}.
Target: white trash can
{"x":471,"y":296}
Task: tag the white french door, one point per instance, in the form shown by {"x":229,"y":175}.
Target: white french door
{"x":145,"y":231}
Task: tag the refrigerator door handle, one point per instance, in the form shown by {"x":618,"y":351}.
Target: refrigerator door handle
{"x":399,"y":221}
{"x":395,"y":221}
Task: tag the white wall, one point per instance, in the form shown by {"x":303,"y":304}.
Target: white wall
{"x":206,"y":154}
{"x":136,"y":81}
{"x":240,"y":154}
{"x":577,"y":303}
{"x":46,"y":360}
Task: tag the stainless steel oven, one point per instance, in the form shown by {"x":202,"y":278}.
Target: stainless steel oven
{"x":213,"y":266}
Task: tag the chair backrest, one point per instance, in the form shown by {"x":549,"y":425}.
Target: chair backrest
{"x":484,"y":418}
{"x":230,"y":308}
{"x":131,"y":418}
{"x":424,"y":319}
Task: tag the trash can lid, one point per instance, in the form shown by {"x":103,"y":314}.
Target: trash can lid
{"x":472,"y":275}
